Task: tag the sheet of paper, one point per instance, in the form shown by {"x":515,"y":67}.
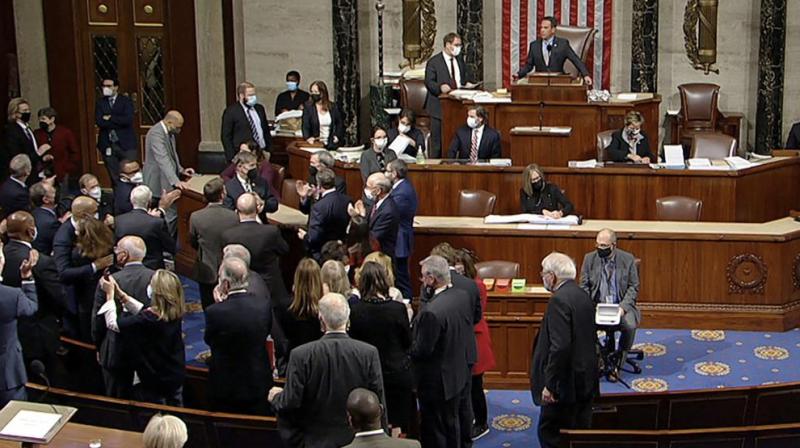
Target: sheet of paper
{"x":738,"y":163}
{"x":400,"y":144}
{"x":31,"y":424}
{"x":673,"y":155}
{"x":699,"y":162}
{"x":532,"y":226}
{"x":289,"y":114}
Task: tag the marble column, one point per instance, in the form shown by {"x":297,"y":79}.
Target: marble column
{"x":347,"y":81}
{"x":771,"y":49}
{"x":644,"y":46}
{"x":469,"y":23}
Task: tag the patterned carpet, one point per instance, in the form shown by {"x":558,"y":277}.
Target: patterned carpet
{"x":675,"y":360}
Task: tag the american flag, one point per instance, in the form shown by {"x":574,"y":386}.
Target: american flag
{"x":521,"y":27}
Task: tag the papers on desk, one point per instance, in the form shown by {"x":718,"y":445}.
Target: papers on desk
{"x":673,"y":157}
{"x":530,"y":218}
{"x":31,"y":424}
{"x":738,"y":163}
{"x":289,"y":114}
{"x":707,"y":164}
{"x":582,"y":163}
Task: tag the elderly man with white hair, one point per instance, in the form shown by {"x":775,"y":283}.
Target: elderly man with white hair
{"x":312,"y":407}
{"x":564,"y":376}
{"x":382,"y":219}
{"x":151,"y":229}
{"x":14,"y":194}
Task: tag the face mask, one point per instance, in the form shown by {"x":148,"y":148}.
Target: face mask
{"x":43,"y":126}
{"x":428,"y":291}
{"x":137,"y":178}
{"x":456,"y":51}
{"x":252,"y":174}
{"x":538,"y":184}
{"x":108,"y":91}
{"x":96,"y":215}
{"x":403,"y":128}
{"x":472,"y":122}
{"x":368,"y":194}
{"x":312,"y":170}
{"x":35,"y":233}
{"x":291,"y":86}
{"x":604,"y":253}
{"x":175,"y":131}
{"x":380,"y":143}
{"x":251,"y":101}
{"x":149,"y":292}
{"x":95,"y":193}
{"x":25,"y":117}
{"x":548,"y":286}
{"x":316,"y":97}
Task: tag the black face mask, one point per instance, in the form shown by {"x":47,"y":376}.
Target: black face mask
{"x":25,"y":117}
{"x":252,"y":174}
{"x":604,"y":253}
{"x":427,"y":292}
{"x":43,"y":126}
{"x":312,"y":170}
{"x":538,"y":185}
{"x":316,"y":97}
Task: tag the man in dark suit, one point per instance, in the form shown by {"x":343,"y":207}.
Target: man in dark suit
{"x":243,"y":121}
{"x":444,"y":72}
{"x":475,"y":140}
{"x":45,"y":214}
{"x":365,"y":414}
{"x":112,"y":347}
{"x":564,"y":376}
{"x":793,"y":140}
{"x":14,"y":194}
{"x":237,"y":327}
{"x":311,"y":408}
{"x":443,"y":331}
{"x":39,"y":333}
{"x":405,"y":200}
{"x":382,"y":219}
{"x":328,"y":219}
{"x":264,"y":241}
{"x":255,"y":284}
{"x":130,"y":176}
{"x":151,"y":229}
{"x":205,"y":235}
{"x":16,"y":303}
{"x":309,"y":191}
{"x":90,"y":186}
{"x":247,"y":180}
{"x":548,"y":53}
{"x":117,"y":140}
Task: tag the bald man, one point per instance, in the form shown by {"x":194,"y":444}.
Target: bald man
{"x":114,"y":355}
{"x":364,"y":412}
{"x":162,"y":166}
{"x":38,"y":334}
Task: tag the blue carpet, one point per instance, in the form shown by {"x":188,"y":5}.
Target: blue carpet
{"x":675,"y":360}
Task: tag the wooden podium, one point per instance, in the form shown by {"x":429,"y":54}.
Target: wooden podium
{"x":548,"y":87}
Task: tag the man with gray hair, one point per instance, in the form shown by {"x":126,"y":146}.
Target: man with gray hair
{"x":328,"y":220}
{"x":310,"y":191}
{"x":14,"y":195}
{"x":113,"y":351}
{"x":312,"y":407}
{"x":151,"y":229}
{"x":237,"y":327}
{"x":564,"y":376}
{"x":382,"y":219}
{"x":255,"y":284}
{"x":442,"y":335}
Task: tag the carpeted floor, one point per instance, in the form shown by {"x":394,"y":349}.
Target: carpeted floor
{"x":675,"y":360}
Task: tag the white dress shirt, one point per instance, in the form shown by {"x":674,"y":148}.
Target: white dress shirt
{"x":449,"y":61}
{"x":324,"y":125}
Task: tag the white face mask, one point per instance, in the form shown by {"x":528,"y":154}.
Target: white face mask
{"x":35,"y":233}
{"x":380,"y":143}
{"x":149,"y":292}
{"x":472,"y":122}
{"x":108,"y":91}
{"x":368,"y":194}
{"x":403,"y":128}
{"x":137,"y":178}
{"x":456,"y":51}
{"x":95,"y":193}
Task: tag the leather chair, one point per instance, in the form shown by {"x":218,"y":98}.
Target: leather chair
{"x":477,"y":203}
{"x":412,"y":96}
{"x":699,"y":110}
{"x":713,"y":146}
{"x":603,"y":142}
{"x":280,"y":175}
{"x":497,"y":269}
{"x":289,"y":196}
{"x":678,"y":208}
{"x":581,"y":40}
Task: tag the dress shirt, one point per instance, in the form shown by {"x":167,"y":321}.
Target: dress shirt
{"x":251,"y":112}
{"x":325,"y":121}
{"x":29,"y":134}
{"x":109,"y":311}
{"x":450,"y":60}
{"x":397,"y":183}
{"x":545,"y":52}
{"x":112,"y":99}
{"x":19,"y":182}
{"x":245,"y":183}
{"x":378,"y":204}
{"x":374,"y":432}
{"x":23,"y":242}
{"x":325,"y":192}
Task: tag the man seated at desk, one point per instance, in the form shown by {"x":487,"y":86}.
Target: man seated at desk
{"x":548,"y":53}
{"x":630,"y":144}
{"x":475,"y":140}
{"x":540,"y":197}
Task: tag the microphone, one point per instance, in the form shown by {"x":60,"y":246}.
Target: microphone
{"x":38,"y":370}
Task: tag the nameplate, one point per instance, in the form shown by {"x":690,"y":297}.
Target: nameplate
{"x":561,"y":131}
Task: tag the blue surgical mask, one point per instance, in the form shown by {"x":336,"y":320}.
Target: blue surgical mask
{"x":251,"y":101}
{"x":291,"y":86}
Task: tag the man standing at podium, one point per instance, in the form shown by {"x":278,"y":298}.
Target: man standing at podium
{"x":548,"y":53}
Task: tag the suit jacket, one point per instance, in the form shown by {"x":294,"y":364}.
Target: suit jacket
{"x":153,"y":230}
{"x":488,"y":148}
{"x":157,"y":350}
{"x":564,"y":358}
{"x":383,"y":225}
{"x":47,"y":225}
{"x":72,"y":267}
{"x":265,"y":171}
{"x":235,"y":189}
{"x":257,"y":288}
{"x":369,"y":161}
{"x":121,"y":123}
{"x":205,"y":235}
{"x":340,"y":185}
{"x":436,"y":74}
{"x":114,"y":348}
{"x":237,"y":331}
{"x":561,"y":51}
{"x":311,"y":409}
{"x":793,"y":140}
{"x":415,"y":134}
{"x":384,"y":325}
{"x":16,"y":142}
{"x":549,"y":198}
{"x":405,"y":199}
{"x":443,"y":333}
{"x":14,"y":197}
{"x":327,"y":222}
{"x":266,"y":246}
{"x":16,"y":303}
{"x":473,"y":292}
{"x":619,"y":149}
{"x":122,"y":197}
{"x":161,"y":163}
{"x":382,"y":441}
{"x":311,"y":124}
{"x":65,"y":150}
{"x":627,"y":276}
{"x":236,"y":128}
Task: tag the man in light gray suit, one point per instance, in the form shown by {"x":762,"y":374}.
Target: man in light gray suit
{"x":15,"y":303}
{"x":610,"y":275}
{"x":162,"y":166}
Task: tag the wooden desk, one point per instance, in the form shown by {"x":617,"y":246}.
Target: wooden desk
{"x":75,"y":435}
{"x":762,"y":193}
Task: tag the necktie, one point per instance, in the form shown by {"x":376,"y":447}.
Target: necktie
{"x":247,"y":186}
{"x":453,"y":73}
{"x":473,"y":149}
{"x":547,"y":54}
{"x":256,"y":136}
{"x":111,"y":101}
{"x":381,"y":161}
{"x":610,"y":279}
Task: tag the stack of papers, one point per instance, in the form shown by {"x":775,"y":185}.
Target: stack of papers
{"x":530,"y":218}
{"x":289,"y":114}
{"x":673,"y":157}
{"x":31,"y":424}
{"x":738,"y":163}
{"x":706,"y":164}
{"x":582,"y":163}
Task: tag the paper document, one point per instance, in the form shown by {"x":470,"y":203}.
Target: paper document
{"x":31,"y":424}
{"x":289,"y":114}
{"x":582,"y":163}
{"x":738,"y":163}
{"x":400,"y":144}
{"x":673,"y":156}
{"x":531,"y":219}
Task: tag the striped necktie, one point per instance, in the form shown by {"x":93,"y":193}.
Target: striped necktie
{"x":256,"y":136}
{"x":473,"y":150}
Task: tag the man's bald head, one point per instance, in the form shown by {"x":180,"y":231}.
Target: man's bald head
{"x":364,"y":410}
{"x":174,"y":118}
{"x":247,"y":206}
{"x":133,"y":246}
{"x":21,"y":226}
{"x":83,"y":206}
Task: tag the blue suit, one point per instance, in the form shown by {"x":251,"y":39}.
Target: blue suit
{"x":327,"y":222}
{"x":383,"y":227}
{"x":13,"y":197}
{"x":47,"y":225}
{"x":14,"y":303}
{"x":405,"y":199}
{"x":116,"y":133}
{"x":79,"y":278}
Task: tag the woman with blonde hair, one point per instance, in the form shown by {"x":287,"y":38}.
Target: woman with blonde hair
{"x":299,"y":319}
{"x":165,"y":431}
{"x":630,"y":144}
{"x":385,"y":261}
{"x":334,"y":279}
{"x":152,"y":324}
{"x":18,"y":137}
{"x":540,"y":197}
{"x":93,"y":238}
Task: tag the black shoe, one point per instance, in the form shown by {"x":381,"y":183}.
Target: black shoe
{"x":479,"y":431}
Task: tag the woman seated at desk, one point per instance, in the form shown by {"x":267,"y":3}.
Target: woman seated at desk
{"x":322,"y":120}
{"x":630,"y":144}
{"x":407,"y":128}
{"x":540,"y":197}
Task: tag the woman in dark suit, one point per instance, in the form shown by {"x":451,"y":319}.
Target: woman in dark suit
{"x":18,"y":138}
{"x":406,"y":127}
{"x":382,"y":322}
{"x":630,"y":144}
{"x":540,"y":197}
{"x":155,"y":333}
{"x":322,"y":120}
{"x":298,"y":319}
